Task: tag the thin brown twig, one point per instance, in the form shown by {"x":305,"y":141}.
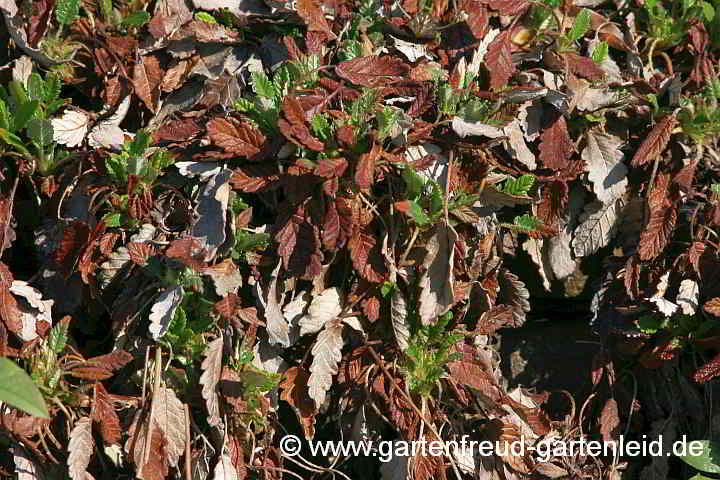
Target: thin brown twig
{"x":188,"y":441}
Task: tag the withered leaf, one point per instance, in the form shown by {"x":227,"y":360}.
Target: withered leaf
{"x":598,"y":225}
{"x":609,"y":420}
{"x":211,"y":370}
{"x":663,"y":215}
{"x":170,"y":418}
{"x":104,"y":415}
{"x":556,"y":146}
{"x":243,"y":139}
{"x":80,"y":449}
{"x":295,"y":391}
{"x":323,"y":309}
{"x":399,"y":317}
{"x":365,"y":168}
{"x":436,"y":282}
{"x":499,"y":61}
{"x":326,"y":355}
{"x":712,"y":306}
{"x":655,"y":142}
{"x":605,"y":168}
{"x":147,"y":76}
{"x":314,"y":18}
{"x":163,"y":311}
{"x":372,"y":71}
{"x":515,"y":294}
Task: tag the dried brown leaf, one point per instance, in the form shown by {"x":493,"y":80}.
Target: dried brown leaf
{"x":103,"y":413}
{"x":170,"y":419}
{"x":243,"y":140}
{"x":499,"y":61}
{"x":556,"y":146}
{"x":80,"y":449}
{"x":372,"y":71}
{"x":655,"y":142}
{"x":326,"y":355}
{"x":663,"y":215}
{"x":436,"y":282}
{"x":712,"y":306}
{"x":314,"y":18}
{"x":211,"y":370}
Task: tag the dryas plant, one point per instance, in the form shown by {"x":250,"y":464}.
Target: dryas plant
{"x":428,"y":353}
{"x":25,"y":127}
{"x":668,"y":22}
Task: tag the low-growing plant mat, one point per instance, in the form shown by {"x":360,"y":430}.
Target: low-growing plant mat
{"x":223,"y":223}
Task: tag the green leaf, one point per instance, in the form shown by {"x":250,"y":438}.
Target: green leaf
{"x":40,"y":131}
{"x":4,"y":116}
{"x":518,"y":186}
{"x":18,"y":390}
{"x":600,"y":52}
{"x":36,"y":87}
{"x":321,"y":126}
{"x":17,"y":92}
{"x":66,"y":11}
{"x":58,"y":337}
{"x":708,"y":11}
{"x":51,"y":88}
{"x":351,"y":49}
{"x":139,"y":144}
{"x":387,"y":288}
{"x":418,"y":213}
{"x":526,"y":222}
{"x":107,"y":10}
{"x":715,"y":187}
{"x":14,"y":140}
{"x":708,"y":461}
{"x":262,"y":85}
{"x":415,"y":183}
{"x":205,"y":17}
{"x":136,"y":19}
{"x":244,"y":105}
{"x":113,"y":219}
{"x":117,"y":167}
{"x":23,"y":114}
{"x":580,"y":26}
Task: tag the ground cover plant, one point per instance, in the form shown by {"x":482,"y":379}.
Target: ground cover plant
{"x":222,"y":223}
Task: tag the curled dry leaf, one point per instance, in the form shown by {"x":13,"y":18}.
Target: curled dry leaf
{"x":598,"y":225}
{"x":606,"y":171}
{"x":326,"y":356}
{"x":372,"y":71}
{"x":323,"y":309}
{"x":498,"y":60}
{"x":687,"y":297}
{"x":104,"y":415}
{"x":211,"y":370}
{"x":399,"y":316}
{"x":80,"y":449}
{"x":436,"y":282}
{"x":170,"y":419}
{"x":163,"y":311}
{"x":655,"y":142}
{"x":277,"y":327}
{"x":211,"y":209}
{"x":712,"y":306}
